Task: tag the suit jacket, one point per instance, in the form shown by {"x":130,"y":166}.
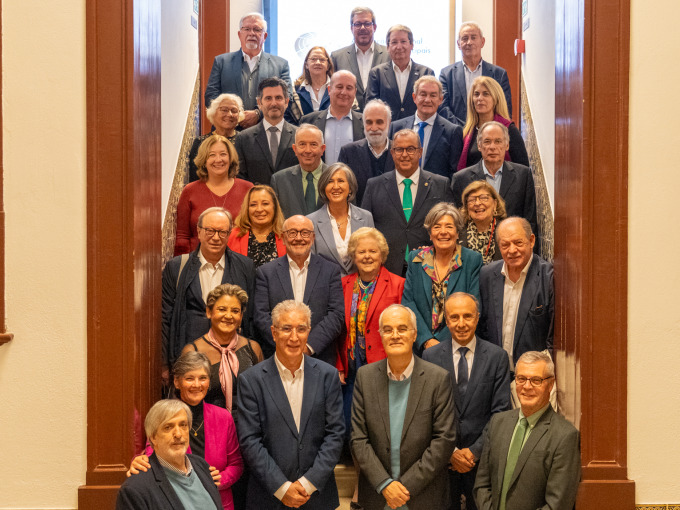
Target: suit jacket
{"x":255,"y":158}
{"x":454,"y":106}
{"x":151,"y":489}
{"x":388,"y":290}
{"x":306,"y":100}
{"x":324,"y":241}
{"x":517,"y":189}
{"x":548,"y":469}
{"x":274,"y":449}
{"x":427,"y":440}
{"x":225,"y":75}
{"x":536,"y":312}
{"x":382,"y":84}
{"x":488,"y":390}
{"x":288,"y":186}
{"x":319,"y":118}
{"x":357,"y":155}
{"x":183,"y":307}
{"x":381,"y":199}
{"x":418,"y":292}
{"x":346,"y":59}
{"x":444,"y":148}
{"x":323,"y":294}
{"x":240,"y":244}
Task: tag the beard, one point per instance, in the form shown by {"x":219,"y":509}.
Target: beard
{"x":377,"y":138}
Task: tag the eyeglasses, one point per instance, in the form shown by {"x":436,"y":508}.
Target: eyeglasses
{"x":254,"y":30}
{"x":288,"y":330}
{"x":400,"y":331}
{"x":210,"y":232}
{"x":291,"y":233}
{"x":409,"y":150}
{"x":365,"y":24}
{"x":224,"y":109}
{"x":482,"y":199}
{"x":535,"y":381}
{"x":317,"y":59}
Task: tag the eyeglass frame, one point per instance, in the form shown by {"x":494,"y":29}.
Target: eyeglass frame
{"x":222,"y":234}
{"x":304,"y":233}
{"x":532,"y":380}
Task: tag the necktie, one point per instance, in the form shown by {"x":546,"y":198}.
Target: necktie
{"x":310,"y":196}
{"x":513,"y":455}
{"x":273,"y":143}
{"x":421,"y":135}
{"x":407,"y":204}
{"x":462,"y":371}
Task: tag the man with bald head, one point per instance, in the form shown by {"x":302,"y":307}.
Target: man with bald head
{"x":339,"y":123}
{"x":303,"y":277}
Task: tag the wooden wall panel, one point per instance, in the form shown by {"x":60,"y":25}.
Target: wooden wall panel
{"x":507,"y":26}
{"x":213,"y":40}
{"x":124,"y":243}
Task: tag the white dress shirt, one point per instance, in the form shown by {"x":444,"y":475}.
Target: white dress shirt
{"x":298,"y":277}
{"x":267,"y":125}
{"x":408,"y":371}
{"x":316,"y":101}
{"x":402,"y":77}
{"x":364,"y":61}
{"x":210,"y":276}
{"x":340,"y":243}
{"x":414,"y":185}
{"x":469,"y":356}
{"x":512,"y":294}
{"x":252,"y":62}
{"x":428,"y":131}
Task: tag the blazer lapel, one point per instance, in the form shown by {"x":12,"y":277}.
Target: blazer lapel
{"x":312,"y":274}
{"x":390,"y":183}
{"x":283,"y":273}
{"x":434,"y":139}
{"x":380,"y":287}
{"x":506,"y":429}
{"x":309,"y":390}
{"x":424,"y":185}
{"x":391,"y":80}
{"x":508,"y":180}
{"x":263,"y":142}
{"x":536,"y":434}
{"x":447,"y":363}
{"x":236,"y":67}
{"x":357,"y":126}
{"x":296,"y":185}
{"x":412,"y":77}
{"x":478,"y":368}
{"x":528,"y":292}
{"x":284,"y":142}
{"x":325,"y":235}
{"x":416,"y":389}
{"x":354,"y":64}
{"x":164,"y":484}
{"x":497,"y":289}
{"x":382,"y":395}
{"x":459,"y":78}
{"x":275,"y":388}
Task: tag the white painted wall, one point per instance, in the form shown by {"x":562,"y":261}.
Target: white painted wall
{"x":538,"y":69}
{"x":236,"y":10}
{"x":179,"y":68}
{"x":653,"y":274}
{"x":43,"y":370}
{"x":480,"y":11}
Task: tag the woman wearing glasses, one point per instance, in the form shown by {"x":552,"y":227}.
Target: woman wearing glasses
{"x":482,"y":210}
{"x":217,"y":163}
{"x":224,"y":113}
{"x":312,"y":85}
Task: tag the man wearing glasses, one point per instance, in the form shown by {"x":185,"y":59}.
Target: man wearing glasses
{"x":400,"y":200}
{"x":364,"y":54}
{"x":403,"y":423}
{"x":512,"y":181}
{"x":241,"y":71}
{"x":531,"y":456}
{"x":290,"y":425}
{"x":187,"y":280}
{"x":308,"y":279}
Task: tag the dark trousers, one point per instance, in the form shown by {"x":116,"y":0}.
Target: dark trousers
{"x":461,"y":485}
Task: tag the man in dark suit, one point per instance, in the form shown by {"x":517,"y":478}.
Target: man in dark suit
{"x":290,"y":425}
{"x":442,"y":141}
{"x":174,"y":479}
{"x":298,"y":186}
{"x":403,"y":423}
{"x":339,"y":123}
{"x":393,"y":81}
{"x":268,"y":146}
{"x":532,"y":455}
{"x":306,"y":278}
{"x":480,"y":377}
{"x":400,"y":200}
{"x":364,"y":54}
{"x":370,"y":156}
{"x":187,"y":280}
{"x":513,"y":182}
{"x":522,"y":285}
{"x":240,"y":72}
{"x":457,"y":78}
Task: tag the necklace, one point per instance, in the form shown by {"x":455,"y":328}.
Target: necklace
{"x":195,"y":430}
{"x":361,"y":284}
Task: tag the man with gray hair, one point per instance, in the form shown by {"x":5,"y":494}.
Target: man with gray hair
{"x":339,"y":123}
{"x":364,"y":54}
{"x":175,"y":480}
{"x":290,"y":425}
{"x":457,"y":78}
{"x":403,"y":423}
{"x":241,"y":71}
{"x":531,"y":456}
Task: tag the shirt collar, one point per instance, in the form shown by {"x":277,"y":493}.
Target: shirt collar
{"x":533,"y":419}
{"x":471,"y":346}
{"x":475,"y":69}
{"x":429,"y":120}
{"x":267,"y":125}
{"x":523,"y":272}
{"x":256,"y":58}
{"x":220,"y":264}
{"x":292,"y":264}
{"x":283,"y":370}
{"x":369,"y":50}
{"x":407,"y":70}
{"x":486,"y":171}
{"x":167,"y":465}
{"x":414,"y":177}
{"x":405,"y":374}
{"x":347,"y":116}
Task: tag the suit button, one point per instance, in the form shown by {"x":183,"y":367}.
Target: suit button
{"x":300,"y":447}
{"x":369,"y":347}
{"x":402,"y":109}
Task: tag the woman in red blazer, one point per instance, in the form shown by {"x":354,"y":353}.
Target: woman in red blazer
{"x":257,"y":228}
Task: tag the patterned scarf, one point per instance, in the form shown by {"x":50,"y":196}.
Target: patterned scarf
{"x":357,"y":323}
{"x":462,"y":162}
{"x":482,"y":242}
{"x":229,"y":360}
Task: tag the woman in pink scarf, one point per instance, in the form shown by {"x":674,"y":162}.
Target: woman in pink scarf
{"x":486,"y":102}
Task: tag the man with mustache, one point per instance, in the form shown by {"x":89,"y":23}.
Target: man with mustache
{"x":364,"y":54}
{"x":307,"y":278}
{"x":241,"y":71}
{"x":403,"y":423}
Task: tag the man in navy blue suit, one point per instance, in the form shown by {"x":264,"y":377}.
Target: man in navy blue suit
{"x":241,"y":71}
{"x":290,"y":425}
{"x":480,"y":377}
{"x":457,"y":78}
{"x":442,"y":140}
{"x":306,"y":278}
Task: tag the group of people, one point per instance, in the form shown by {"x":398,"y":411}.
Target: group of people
{"x":342,"y":281}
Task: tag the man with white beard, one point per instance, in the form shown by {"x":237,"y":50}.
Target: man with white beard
{"x":370,"y":157}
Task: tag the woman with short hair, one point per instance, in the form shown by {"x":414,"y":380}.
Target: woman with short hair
{"x":482,"y":210}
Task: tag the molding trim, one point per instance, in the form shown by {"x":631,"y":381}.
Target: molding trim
{"x":659,"y":506}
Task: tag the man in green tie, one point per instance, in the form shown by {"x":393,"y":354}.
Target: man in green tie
{"x":531,"y":457}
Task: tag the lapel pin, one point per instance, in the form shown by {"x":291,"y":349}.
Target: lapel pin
{"x":426,"y":184}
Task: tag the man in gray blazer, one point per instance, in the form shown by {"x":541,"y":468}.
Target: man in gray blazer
{"x":241,"y":71}
{"x":364,"y":54}
{"x":298,"y":186}
{"x":531,"y":456}
{"x":403,"y":423}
